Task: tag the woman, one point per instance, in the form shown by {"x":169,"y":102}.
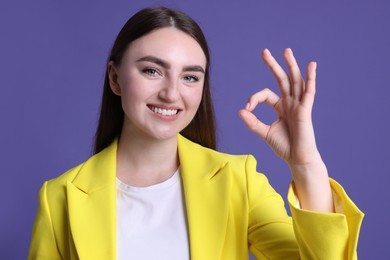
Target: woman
{"x":157,"y":189}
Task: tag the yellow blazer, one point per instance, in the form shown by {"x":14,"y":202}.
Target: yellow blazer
{"x":230,"y":208}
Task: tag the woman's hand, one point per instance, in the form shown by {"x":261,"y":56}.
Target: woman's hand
{"x":291,"y":136}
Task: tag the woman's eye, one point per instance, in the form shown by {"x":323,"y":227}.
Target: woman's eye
{"x":151,"y":72}
{"x":191,"y":78}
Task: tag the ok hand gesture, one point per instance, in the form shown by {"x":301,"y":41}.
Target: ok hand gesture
{"x":291,"y":136}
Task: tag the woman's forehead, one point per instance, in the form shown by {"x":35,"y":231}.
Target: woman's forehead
{"x":169,"y":44}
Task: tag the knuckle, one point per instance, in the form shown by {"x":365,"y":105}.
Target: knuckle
{"x":284,"y":81}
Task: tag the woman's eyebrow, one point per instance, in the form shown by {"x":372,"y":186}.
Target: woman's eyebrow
{"x":166,"y":65}
{"x":194,"y":68}
{"x":155,"y":60}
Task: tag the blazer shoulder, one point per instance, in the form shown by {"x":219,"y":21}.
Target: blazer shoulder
{"x":96,"y":172}
{"x":198,"y":154}
{"x":61,"y":180}
{"x":234,"y":159}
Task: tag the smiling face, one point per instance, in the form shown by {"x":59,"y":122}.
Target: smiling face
{"x":160,"y":80}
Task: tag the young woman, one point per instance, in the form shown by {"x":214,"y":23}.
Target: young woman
{"x":157,"y":189}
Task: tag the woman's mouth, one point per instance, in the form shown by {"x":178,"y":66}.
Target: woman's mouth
{"x":163,"y":111}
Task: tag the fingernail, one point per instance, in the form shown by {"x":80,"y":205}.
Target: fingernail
{"x":267,"y":52}
{"x":248,"y":106}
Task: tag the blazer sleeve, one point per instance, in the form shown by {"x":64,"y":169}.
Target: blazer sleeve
{"x":272,"y":234}
{"x":327,"y":235}
{"x":43,"y":244}
{"x":270,"y":230}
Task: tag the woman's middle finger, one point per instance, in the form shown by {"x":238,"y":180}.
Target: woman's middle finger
{"x":278,"y":72}
{"x":297,"y":82}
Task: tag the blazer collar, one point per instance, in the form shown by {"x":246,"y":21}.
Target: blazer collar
{"x":206,"y":184}
{"x":92,"y":206}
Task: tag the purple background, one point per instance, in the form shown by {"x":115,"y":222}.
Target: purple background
{"x":52,"y":64}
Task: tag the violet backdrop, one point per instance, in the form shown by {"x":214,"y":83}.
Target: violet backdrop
{"x":52,"y":67}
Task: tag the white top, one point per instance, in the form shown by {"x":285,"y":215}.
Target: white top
{"x":151,"y":221}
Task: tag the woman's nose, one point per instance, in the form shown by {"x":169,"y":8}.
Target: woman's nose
{"x":170,"y":91}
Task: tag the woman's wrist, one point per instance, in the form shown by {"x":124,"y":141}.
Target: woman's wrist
{"x":311,"y":184}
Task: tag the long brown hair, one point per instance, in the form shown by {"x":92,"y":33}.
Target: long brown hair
{"x":202,"y":128}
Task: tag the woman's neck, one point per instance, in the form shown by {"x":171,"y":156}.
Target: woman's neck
{"x":143,"y":161}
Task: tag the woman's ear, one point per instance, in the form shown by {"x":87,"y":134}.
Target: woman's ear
{"x":113,"y":78}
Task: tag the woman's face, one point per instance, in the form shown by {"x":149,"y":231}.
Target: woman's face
{"x":160,"y":81}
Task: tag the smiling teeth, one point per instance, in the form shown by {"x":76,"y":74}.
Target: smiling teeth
{"x":164,"y":112}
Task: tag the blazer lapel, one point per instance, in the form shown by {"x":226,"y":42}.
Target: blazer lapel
{"x":207,"y":183}
{"x":92,"y":202}
{"x":92,"y":207}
